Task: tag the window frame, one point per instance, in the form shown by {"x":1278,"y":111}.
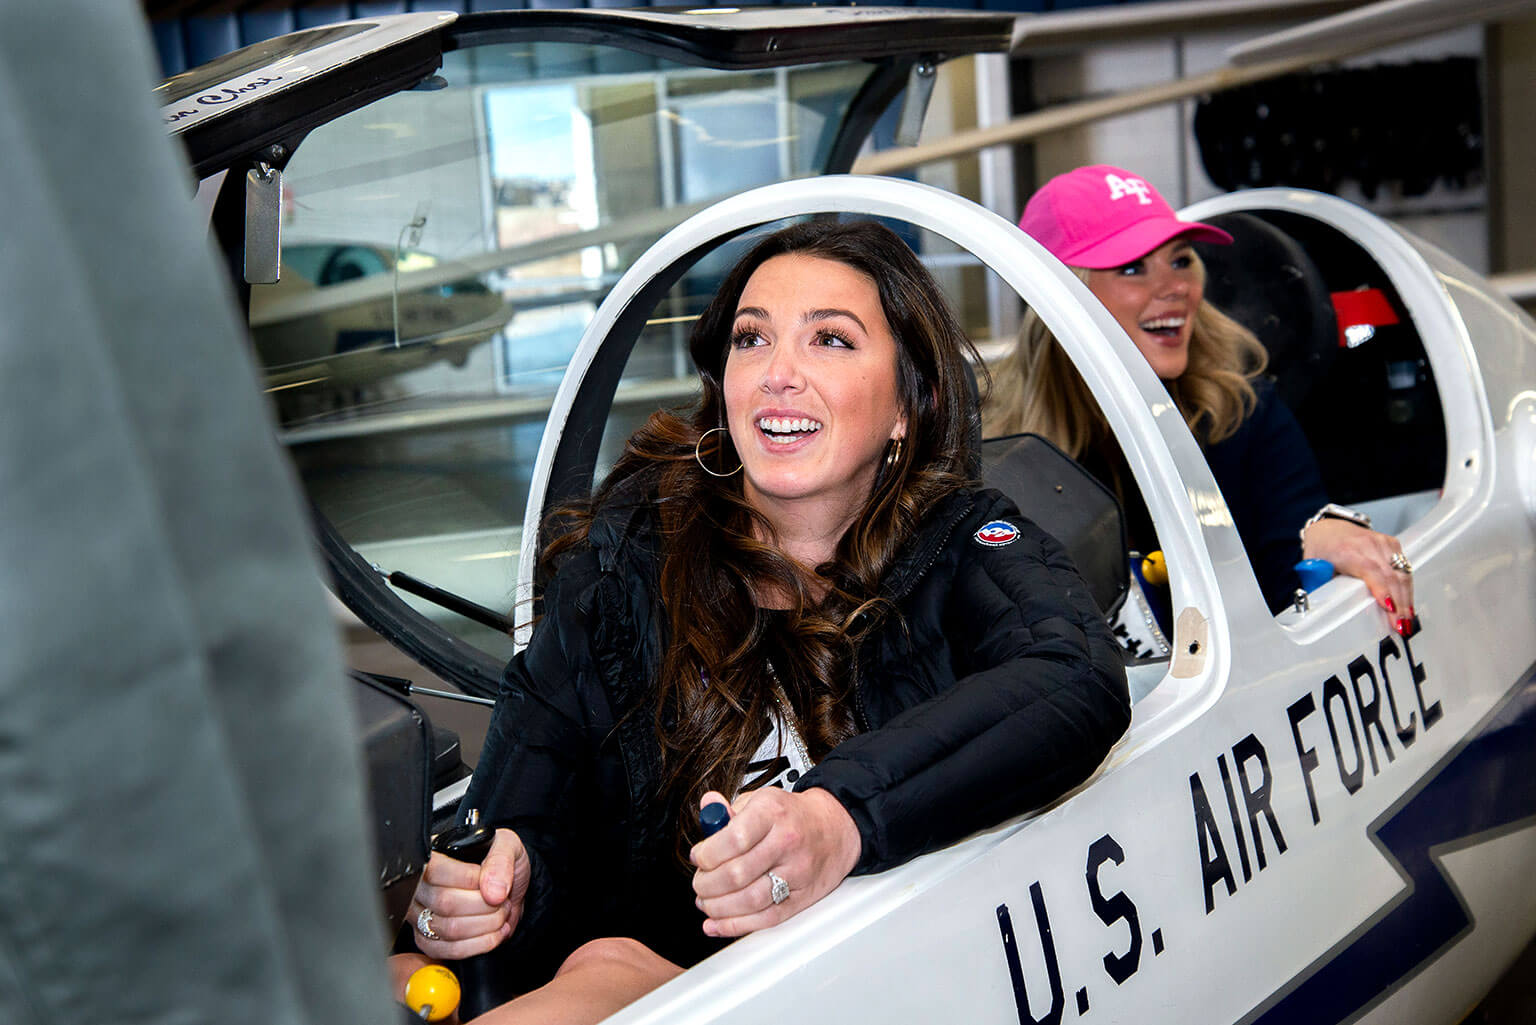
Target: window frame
{"x":1469,"y":445}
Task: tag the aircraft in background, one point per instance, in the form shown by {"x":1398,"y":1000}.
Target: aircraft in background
{"x":349,"y":343}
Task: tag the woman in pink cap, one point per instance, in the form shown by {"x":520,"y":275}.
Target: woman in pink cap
{"x":1135,"y":254}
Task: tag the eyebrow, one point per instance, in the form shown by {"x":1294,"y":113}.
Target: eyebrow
{"x":808,"y":317}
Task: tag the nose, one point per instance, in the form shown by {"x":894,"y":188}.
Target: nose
{"x":1171,"y":283}
{"x":782,"y":372}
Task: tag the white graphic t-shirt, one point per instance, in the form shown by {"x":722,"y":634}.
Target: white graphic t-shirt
{"x":1135,"y":627}
{"x":781,"y":758}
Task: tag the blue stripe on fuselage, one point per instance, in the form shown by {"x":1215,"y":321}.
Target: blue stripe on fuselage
{"x":1486,"y":784}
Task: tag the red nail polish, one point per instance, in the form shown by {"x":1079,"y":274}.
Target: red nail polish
{"x":1387,"y":601}
{"x":1402,"y":627}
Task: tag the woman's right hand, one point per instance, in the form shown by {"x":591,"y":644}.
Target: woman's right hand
{"x":474,"y":907}
{"x":1360,"y":552}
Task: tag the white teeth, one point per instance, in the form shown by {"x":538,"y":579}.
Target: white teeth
{"x":1159,"y":323}
{"x":788,"y":425}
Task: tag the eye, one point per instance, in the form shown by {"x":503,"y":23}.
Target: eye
{"x":1128,"y":270}
{"x":747,"y":338}
{"x":1183,"y":261}
{"x":833,"y":339}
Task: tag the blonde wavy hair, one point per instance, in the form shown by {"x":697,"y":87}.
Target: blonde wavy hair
{"x":1036,"y":389}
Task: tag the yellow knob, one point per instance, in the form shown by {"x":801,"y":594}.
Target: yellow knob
{"x":432,"y":992}
{"x":1154,"y":570}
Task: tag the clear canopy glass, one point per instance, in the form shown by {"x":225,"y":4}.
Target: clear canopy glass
{"x":444,"y":248}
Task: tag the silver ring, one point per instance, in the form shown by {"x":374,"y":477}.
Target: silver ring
{"x":1401,"y":564}
{"x":424,"y":924}
{"x":780,"y":888}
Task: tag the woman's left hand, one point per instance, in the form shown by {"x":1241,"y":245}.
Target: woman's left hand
{"x":806,"y":839}
{"x":1357,"y":551}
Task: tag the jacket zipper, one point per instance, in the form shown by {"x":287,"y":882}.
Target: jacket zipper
{"x":935,"y":552}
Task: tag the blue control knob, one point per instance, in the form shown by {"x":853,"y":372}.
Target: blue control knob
{"x":713,"y":818}
{"x":1314,"y":573}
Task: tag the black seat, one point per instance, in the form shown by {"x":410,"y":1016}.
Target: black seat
{"x":1066,"y":502}
{"x":1267,"y":282}
{"x":1371,"y":411}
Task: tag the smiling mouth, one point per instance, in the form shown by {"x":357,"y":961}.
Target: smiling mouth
{"x":784,"y":429}
{"x":1164,"y":327}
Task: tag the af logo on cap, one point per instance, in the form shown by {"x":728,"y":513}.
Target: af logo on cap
{"x":1120,"y":187}
{"x":997,"y":533}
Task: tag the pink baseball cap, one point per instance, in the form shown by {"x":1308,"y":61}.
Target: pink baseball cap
{"x":1101,"y":216}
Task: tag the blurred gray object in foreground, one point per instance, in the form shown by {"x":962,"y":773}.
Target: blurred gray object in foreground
{"x":182,"y":836}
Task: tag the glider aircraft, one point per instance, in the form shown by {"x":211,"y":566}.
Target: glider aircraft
{"x":1311,"y":819}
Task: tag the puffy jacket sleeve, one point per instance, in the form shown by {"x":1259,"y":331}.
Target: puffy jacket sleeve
{"x":534,"y":774}
{"x":1270,"y":480}
{"x":1038,"y":699}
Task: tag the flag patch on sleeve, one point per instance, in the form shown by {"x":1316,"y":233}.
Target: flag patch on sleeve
{"x":997,"y":533}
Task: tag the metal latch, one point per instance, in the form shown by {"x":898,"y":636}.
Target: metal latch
{"x":914,"y":106}
{"x":263,"y":224}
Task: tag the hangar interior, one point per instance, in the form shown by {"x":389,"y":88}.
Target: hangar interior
{"x":423,"y":465}
{"x":541,"y":174}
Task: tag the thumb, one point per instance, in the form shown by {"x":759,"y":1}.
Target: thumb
{"x":497,"y":870}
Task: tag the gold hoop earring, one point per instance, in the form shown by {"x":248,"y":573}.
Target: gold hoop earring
{"x":893,"y":454}
{"x":699,"y":458}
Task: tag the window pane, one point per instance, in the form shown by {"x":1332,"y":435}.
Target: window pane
{"x":444,"y":250}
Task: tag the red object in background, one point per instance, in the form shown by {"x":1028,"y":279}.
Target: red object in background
{"x":1366,"y":307}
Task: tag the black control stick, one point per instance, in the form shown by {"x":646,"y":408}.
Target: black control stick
{"x":471,"y":842}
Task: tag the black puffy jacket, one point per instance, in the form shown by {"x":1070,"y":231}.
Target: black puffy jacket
{"x":1269,"y":479}
{"x":996,"y":688}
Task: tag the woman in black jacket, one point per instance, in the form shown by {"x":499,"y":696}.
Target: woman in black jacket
{"x":790,"y":600}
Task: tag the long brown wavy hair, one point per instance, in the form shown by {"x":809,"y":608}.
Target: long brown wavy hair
{"x":723,"y":651}
{"x":1037,"y":389}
